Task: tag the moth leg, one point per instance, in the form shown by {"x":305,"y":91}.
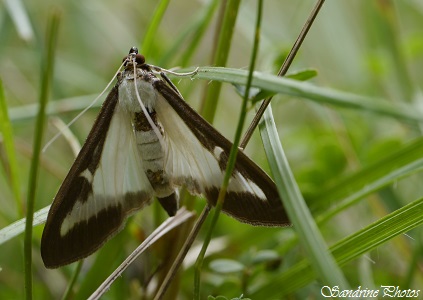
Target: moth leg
{"x":170,"y":83}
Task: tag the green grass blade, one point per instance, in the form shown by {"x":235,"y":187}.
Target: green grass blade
{"x":190,"y":37}
{"x":370,"y":187}
{"x":7,"y":131}
{"x":73,"y":104}
{"x":374,"y":235}
{"x":308,"y":91}
{"x":399,"y":164}
{"x":18,"y":14}
{"x":301,"y":218}
{"x":68,"y":294}
{"x":388,"y":227}
{"x":387,"y":30}
{"x":150,"y":35}
{"x":199,"y":32}
{"x":46,"y":77}
{"x":16,"y":228}
{"x":266,"y":82}
{"x":232,"y":156}
{"x":222,"y":52}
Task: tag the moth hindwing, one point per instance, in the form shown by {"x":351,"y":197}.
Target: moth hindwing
{"x":147,"y":141}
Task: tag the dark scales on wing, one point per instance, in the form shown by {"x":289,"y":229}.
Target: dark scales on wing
{"x":79,"y":242}
{"x":81,"y":187}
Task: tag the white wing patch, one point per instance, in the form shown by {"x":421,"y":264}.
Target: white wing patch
{"x":189,"y":163}
{"x":120,"y":172}
{"x":239,"y":183}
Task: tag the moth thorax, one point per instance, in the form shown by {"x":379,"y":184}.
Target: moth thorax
{"x":130,"y":95}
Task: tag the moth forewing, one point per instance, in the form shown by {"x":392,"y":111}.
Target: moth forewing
{"x":251,"y":197}
{"x":145,"y":142}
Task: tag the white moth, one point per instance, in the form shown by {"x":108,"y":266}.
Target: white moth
{"x":147,"y":142}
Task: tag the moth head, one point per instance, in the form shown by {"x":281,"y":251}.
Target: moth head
{"x":134,"y":57}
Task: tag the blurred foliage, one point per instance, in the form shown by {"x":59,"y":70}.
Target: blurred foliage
{"x":353,"y":167}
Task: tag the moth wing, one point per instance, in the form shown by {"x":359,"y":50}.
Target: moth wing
{"x":105,"y":184}
{"x":196,"y":158}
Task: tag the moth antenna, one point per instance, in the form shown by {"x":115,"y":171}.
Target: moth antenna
{"x":146,"y":114}
{"x":68,"y":135}
{"x":57,"y":135}
{"x":158,"y":69}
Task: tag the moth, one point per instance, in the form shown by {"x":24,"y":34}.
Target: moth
{"x":148,"y":142}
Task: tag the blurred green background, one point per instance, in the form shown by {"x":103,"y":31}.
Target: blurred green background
{"x":367,"y":48}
